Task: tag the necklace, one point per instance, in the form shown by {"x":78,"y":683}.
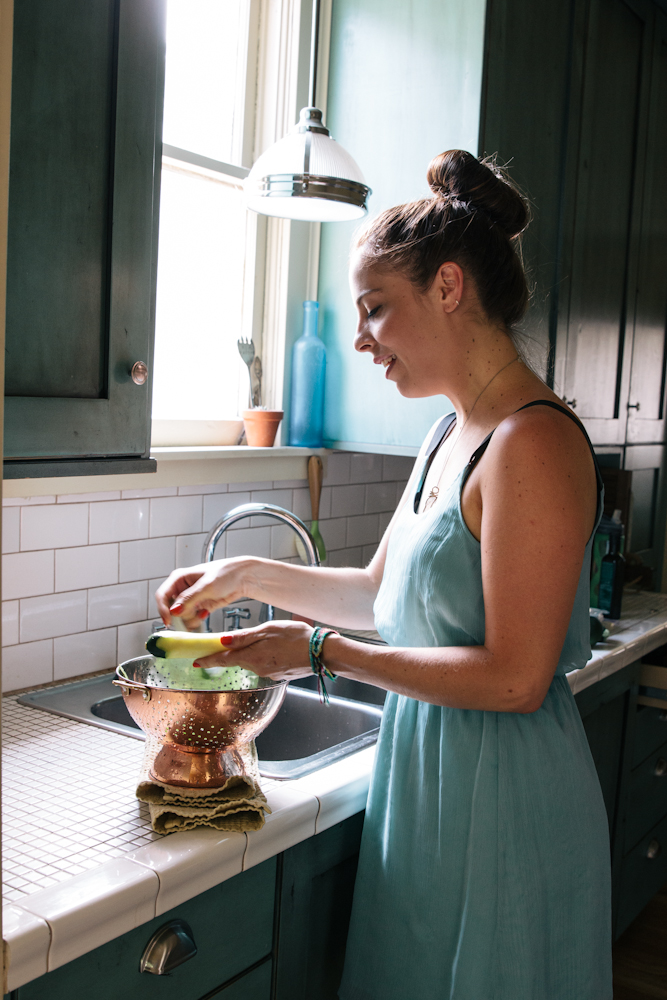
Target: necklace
{"x":433,"y":495}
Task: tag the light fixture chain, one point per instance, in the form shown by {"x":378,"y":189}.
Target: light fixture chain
{"x":314,"y":46}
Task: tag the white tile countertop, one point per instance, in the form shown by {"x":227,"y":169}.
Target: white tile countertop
{"x":81,"y":863}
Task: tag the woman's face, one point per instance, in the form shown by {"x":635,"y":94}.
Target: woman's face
{"x":401,"y":328}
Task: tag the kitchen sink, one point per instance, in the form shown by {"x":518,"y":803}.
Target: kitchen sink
{"x":304,"y":736}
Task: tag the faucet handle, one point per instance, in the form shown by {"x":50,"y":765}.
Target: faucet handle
{"x":236,"y":614}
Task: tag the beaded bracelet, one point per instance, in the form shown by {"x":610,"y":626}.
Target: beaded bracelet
{"x":315,"y":644}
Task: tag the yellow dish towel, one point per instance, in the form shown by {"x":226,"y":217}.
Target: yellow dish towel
{"x":239,"y":805}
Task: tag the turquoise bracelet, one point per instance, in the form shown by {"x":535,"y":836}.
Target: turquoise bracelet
{"x":315,"y":644}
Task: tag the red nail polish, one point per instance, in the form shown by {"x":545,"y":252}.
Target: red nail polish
{"x":176,"y":609}
{"x":203,"y":613}
{"x":196,"y":663}
{"x":227,"y":640}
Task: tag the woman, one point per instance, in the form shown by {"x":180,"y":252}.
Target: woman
{"x":484,"y":869}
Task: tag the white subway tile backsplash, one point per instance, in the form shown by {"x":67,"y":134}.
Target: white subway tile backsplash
{"x":52,"y":526}
{"x":383,"y":522}
{"x":26,"y":501}
{"x":247,"y":487}
{"x":113,"y":550}
{"x":189,"y":549}
{"x":117,"y":605}
{"x":325,"y":502}
{"x":89,"y":497}
{"x":281,"y":498}
{"x":398,"y":467}
{"x":83,"y":653}
{"x":337,"y":469}
{"x":380,"y":497}
{"x":26,"y":574}
{"x":282,"y":542}
{"x":132,"y":639}
{"x":347,"y":500}
{"x":365,"y":468}
{"x":10,"y":623}
{"x":334,"y":533}
{"x":153,"y":585}
{"x":52,"y":615}
{"x":362,"y":530}
{"x":368,"y":552}
{"x":301,"y":504}
{"x":159,"y":491}
{"x":176,"y":515}
{"x":188,"y":491}
{"x":11,"y":519}
{"x":88,"y":566}
{"x":216,"y":507}
{"x":346,"y":557}
{"x":119,"y":521}
{"x":249,"y":542}
{"x":146,"y":558}
{"x":26,"y":665}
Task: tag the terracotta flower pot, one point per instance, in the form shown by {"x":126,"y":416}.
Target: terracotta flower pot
{"x":261,"y":427}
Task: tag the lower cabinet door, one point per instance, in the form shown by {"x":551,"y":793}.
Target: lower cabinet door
{"x":315,"y":904}
{"x":647,"y":797}
{"x":255,"y":985}
{"x":232,"y":926}
{"x":643,"y":872}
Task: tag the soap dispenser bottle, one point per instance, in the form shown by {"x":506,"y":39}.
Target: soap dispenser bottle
{"x":307,"y":398}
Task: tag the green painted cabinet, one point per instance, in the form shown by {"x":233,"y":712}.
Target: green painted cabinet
{"x":232,"y":926}
{"x":87,"y":94}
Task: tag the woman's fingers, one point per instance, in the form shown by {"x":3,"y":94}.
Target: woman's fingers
{"x":275,"y":649}
{"x":191,"y":594}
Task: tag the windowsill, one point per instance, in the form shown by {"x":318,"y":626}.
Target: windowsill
{"x":193,"y":466}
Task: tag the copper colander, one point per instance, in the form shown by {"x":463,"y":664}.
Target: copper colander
{"x":200,"y":730}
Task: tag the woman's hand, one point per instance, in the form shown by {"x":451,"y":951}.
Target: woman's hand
{"x":192,"y":593}
{"x":276,"y":649}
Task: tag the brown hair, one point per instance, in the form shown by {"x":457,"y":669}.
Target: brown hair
{"x":474,"y":218}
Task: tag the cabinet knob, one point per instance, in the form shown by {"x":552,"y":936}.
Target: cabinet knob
{"x":171,"y":945}
{"x":139,"y":372}
{"x":570,"y":402}
{"x":634,"y":406}
{"x":660,"y":767}
{"x":653,"y":850}
{"x":662,"y":715}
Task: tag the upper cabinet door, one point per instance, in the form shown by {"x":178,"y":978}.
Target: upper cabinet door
{"x":646,"y":418}
{"x":606,"y":222}
{"x":83,"y":204}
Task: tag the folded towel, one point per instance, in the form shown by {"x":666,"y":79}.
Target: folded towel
{"x":238,"y":805}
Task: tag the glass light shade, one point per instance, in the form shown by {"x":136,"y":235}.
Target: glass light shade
{"x":307,"y":175}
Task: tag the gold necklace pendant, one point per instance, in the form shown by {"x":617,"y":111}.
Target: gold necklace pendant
{"x":431,"y":498}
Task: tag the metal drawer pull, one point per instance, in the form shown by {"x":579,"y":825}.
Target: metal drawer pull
{"x":660,"y":767}
{"x":170,"y":946}
{"x":653,"y":850}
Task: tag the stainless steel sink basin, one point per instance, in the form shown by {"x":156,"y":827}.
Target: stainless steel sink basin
{"x":304,"y":736}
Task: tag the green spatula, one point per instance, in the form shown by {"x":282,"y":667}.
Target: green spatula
{"x":315,"y":473}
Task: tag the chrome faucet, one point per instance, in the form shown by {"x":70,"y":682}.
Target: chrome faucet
{"x":266,"y":510}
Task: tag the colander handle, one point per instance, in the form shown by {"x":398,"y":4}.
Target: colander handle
{"x":127,"y":686}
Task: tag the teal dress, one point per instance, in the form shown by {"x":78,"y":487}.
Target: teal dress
{"x":484,"y":871}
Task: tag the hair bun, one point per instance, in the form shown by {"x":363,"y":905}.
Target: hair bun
{"x":482,"y":184}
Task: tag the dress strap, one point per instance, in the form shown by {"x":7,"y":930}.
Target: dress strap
{"x":479,"y":451}
{"x":440,"y":432}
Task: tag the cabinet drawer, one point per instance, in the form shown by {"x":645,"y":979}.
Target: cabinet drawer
{"x":647,"y":797}
{"x":232,"y":925}
{"x":643,"y":872}
{"x":650,"y":732}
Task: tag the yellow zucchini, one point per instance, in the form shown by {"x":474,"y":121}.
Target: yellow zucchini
{"x":184,"y":645}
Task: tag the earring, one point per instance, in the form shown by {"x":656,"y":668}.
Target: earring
{"x":457,"y":302}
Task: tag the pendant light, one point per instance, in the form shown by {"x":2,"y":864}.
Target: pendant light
{"x":307,"y":175}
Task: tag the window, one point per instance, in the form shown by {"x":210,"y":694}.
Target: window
{"x":208,"y":268}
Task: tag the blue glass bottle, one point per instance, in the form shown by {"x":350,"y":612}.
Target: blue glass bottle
{"x":309,"y":361}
